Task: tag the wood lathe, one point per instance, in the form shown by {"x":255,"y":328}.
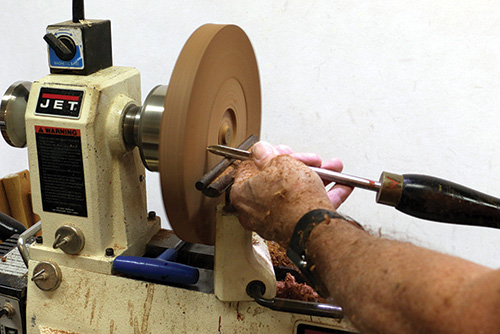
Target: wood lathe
{"x":104,"y":265}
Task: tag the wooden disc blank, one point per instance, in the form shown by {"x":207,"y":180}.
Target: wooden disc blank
{"x":213,"y":98}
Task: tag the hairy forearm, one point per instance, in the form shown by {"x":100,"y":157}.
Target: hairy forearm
{"x":384,"y":286}
{"x":387,"y":286}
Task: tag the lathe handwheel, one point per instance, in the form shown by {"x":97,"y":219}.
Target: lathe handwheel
{"x":213,"y":98}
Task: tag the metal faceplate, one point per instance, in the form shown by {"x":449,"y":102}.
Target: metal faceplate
{"x":12,"y":112}
{"x":141,"y":126}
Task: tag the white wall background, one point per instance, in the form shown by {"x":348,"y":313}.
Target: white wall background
{"x":402,"y":86}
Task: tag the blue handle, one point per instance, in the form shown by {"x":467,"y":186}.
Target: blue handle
{"x":168,"y":255}
{"x":156,"y":269}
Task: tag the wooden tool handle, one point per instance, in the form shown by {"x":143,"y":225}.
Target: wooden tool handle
{"x":435,"y":199}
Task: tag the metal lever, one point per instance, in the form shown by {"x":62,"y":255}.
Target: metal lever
{"x":64,"y":47}
{"x":161,"y":268}
{"x":26,"y":235}
{"x":256,"y":290}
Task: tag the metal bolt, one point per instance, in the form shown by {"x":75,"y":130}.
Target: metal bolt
{"x":151,"y":215}
{"x":39,"y":239}
{"x":110,"y":252}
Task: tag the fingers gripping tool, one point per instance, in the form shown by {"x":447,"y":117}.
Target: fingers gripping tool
{"x":421,"y":196}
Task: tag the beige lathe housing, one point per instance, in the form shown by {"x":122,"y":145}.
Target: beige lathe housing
{"x":89,"y":138}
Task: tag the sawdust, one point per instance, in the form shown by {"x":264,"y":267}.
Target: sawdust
{"x":290,"y":289}
{"x":278,"y":255}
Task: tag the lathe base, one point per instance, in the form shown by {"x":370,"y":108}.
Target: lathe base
{"x":88,"y":302}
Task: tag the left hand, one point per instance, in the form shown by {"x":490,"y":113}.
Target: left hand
{"x":338,"y":193}
{"x":272,"y":192}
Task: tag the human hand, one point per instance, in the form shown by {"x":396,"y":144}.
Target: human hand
{"x":338,"y":193}
{"x":273,"y":191}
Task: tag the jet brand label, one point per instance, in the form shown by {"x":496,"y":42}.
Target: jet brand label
{"x":59,"y":102}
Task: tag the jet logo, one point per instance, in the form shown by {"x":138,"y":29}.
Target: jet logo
{"x":59,"y":102}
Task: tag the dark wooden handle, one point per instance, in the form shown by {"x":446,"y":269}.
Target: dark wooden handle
{"x":435,"y":199}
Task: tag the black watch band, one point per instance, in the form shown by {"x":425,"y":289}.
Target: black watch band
{"x":297,"y":248}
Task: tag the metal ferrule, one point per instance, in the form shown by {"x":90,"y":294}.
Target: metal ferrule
{"x":391,"y":190}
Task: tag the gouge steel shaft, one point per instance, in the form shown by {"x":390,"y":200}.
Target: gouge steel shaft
{"x":420,"y":196}
{"x":325,"y":174}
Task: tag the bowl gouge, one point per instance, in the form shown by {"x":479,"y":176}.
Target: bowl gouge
{"x":421,"y":196}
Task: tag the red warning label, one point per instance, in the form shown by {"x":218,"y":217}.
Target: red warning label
{"x":57,"y":131}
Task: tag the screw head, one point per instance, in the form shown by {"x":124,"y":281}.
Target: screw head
{"x":110,"y":252}
{"x":39,"y":239}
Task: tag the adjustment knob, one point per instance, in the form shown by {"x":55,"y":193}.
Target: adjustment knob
{"x":7,"y":310}
{"x":47,"y":276}
{"x":63,"y":46}
{"x":69,"y":239}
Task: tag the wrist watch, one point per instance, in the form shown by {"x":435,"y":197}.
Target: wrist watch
{"x":297,"y":252}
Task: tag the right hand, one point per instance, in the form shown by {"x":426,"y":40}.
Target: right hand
{"x":272,"y":192}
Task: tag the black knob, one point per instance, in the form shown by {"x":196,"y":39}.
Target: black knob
{"x":63,"y":46}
